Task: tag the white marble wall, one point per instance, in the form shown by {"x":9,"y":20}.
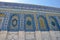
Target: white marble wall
{"x":45,"y":35}
{"x":12,"y":36}
{"x":3,"y":35}
{"x":21,"y":35}
{"x":55,"y":35}
{"x":29,"y":35}
{"x":37,"y":35}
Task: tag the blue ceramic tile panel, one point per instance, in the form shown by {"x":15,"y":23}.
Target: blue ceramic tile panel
{"x":29,"y":24}
{"x":21,"y":22}
{"x":58,"y":18}
{"x":5,"y":22}
{"x":42,"y":23}
{"x":14,"y":22}
{"x":2,"y":16}
{"x":53,"y":23}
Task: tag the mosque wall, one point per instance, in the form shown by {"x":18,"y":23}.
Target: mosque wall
{"x":29,"y":22}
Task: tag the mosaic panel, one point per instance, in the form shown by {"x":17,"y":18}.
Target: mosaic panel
{"x":58,"y":18}
{"x":21,"y":22}
{"x":42,"y":23}
{"x":5,"y":22}
{"x":29,"y":22}
{"x":2,"y":17}
{"x":14,"y":22}
{"x":53,"y":22}
{"x":1,"y":21}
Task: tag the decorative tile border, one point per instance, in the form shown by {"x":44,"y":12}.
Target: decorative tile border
{"x":28,"y":7}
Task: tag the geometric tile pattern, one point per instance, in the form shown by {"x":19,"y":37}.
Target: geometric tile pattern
{"x":42,"y":22}
{"x":29,"y":24}
{"x":54,"y":23}
{"x":33,"y":22}
{"x":29,"y":27}
{"x":13,"y":23}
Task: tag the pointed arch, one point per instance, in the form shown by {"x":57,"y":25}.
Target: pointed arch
{"x":29,"y":24}
{"x":42,"y":22}
{"x":54,"y":23}
{"x":14,"y":23}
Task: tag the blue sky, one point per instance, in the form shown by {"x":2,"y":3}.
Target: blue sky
{"x":52,"y":3}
